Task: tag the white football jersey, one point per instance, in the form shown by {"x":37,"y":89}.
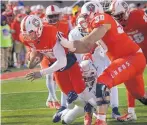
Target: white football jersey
{"x":100,"y":59}
{"x":75,"y":34}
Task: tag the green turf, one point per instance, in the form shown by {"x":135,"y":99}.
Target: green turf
{"x":23,"y":103}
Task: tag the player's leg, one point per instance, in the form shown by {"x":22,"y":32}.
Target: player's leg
{"x":102,"y":104}
{"x":56,"y":103}
{"x":134,"y":85}
{"x":72,"y":114}
{"x":45,"y":64}
{"x":114,"y":102}
{"x":120,"y":71}
{"x":64,"y":83}
{"x":49,"y":101}
{"x":131,"y":115}
{"x":63,"y":100}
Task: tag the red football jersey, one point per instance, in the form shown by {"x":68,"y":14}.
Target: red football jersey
{"x":45,"y":43}
{"x":136,"y":28}
{"x":116,"y":42}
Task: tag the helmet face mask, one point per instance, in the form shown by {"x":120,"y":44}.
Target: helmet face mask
{"x":53,"y":19}
{"x":29,"y":36}
{"x":105,"y":4}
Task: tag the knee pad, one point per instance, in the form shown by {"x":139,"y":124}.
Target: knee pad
{"x":102,"y":93}
{"x":88,"y":108}
{"x":71,"y":96}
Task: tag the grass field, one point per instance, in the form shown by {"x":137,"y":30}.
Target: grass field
{"x":23,"y":103}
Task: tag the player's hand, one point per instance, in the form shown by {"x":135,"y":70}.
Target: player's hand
{"x":64,"y":42}
{"x":33,"y":76}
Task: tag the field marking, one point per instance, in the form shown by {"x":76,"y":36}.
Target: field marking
{"x":52,"y":109}
{"x":43,"y":91}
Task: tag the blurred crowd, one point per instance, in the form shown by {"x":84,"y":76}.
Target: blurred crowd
{"x":13,"y":52}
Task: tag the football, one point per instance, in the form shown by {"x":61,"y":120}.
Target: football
{"x":34,"y":59}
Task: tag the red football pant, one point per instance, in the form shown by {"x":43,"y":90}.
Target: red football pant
{"x":70,"y":80}
{"x":131,"y":100}
{"x":127,"y":69}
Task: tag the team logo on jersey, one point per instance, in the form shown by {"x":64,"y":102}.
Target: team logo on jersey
{"x":36,"y":22}
{"x":91,"y":7}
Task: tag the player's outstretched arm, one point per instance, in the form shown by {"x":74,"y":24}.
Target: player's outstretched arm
{"x":60,"y":62}
{"x":86,"y":43}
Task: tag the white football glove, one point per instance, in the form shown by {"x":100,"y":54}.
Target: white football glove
{"x":64,"y":42}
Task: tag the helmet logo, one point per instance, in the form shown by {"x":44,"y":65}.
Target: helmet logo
{"x":36,"y":22}
{"x":91,"y":7}
{"x":124,"y":4}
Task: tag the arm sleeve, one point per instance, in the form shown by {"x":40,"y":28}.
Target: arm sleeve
{"x":70,"y":38}
{"x":61,"y":61}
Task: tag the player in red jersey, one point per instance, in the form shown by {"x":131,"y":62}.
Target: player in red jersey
{"x":53,"y":17}
{"x":124,"y":66}
{"x":66,"y":70}
{"x":134,"y":23}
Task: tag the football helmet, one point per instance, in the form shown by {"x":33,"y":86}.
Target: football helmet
{"x":53,"y":13}
{"x":39,"y":10}
{"x":89,"y":72}
{"x":120,"y":10}
{"x":33,"y":8}
{"x":31,"y":27}
{"x":91,"y":8}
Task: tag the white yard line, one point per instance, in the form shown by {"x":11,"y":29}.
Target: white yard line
{"x":49,"y":109}
{"x":42,"y":91}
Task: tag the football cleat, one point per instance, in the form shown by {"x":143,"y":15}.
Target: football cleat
{"x":143,"y":101}
{"x":127,"y":117}
{"x":56,"y":105}
{"x":88,"y":119}
{"x":115,"y":113}
{"x":49,"y":104}
{"x":57,"y":116}
{"x":100,"y":122}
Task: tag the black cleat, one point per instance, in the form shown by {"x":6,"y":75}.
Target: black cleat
{"x":143,"y":101}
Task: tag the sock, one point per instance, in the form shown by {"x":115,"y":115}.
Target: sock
{"x":63,"y":99}
{"x":101,"y":117}
{"x":49,"y":86}
{"x":54,"y":87}
{"x":114,"y":97}
{"x":131,"y":110}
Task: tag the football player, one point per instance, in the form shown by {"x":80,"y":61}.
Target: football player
{"x":63,"y":64}
{"x":123,"y":67}
{"x":53,"y":17}
{"x":136,"y":30}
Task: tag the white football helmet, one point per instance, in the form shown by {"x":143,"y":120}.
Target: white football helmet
{"x":39,"y":7}
{"x":91,"y":8}
{"x":33,"y":8}
{"x":120,"y":10}
{"x":105,"y":3}
{"x":53,"y":13}
{"x":67,"y":10}
{"x":89,"y":72}
{"x":31,"y":27}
